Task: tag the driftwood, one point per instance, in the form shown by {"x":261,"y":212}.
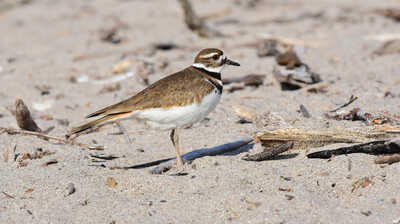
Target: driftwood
{"x":304,"y":139}
{"x":269,"y":154}
{"x":197,"y":24}
{"x":166,"y":164}
{"x":374,"y":148}
{"x":389,"y":159}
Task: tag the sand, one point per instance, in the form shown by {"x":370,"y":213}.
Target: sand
{"x":41,"y":39}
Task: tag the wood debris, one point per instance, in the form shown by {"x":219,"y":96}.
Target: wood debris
{"x":195,"y":23}
{"x":292,"y":73}
{"x":270,"y":153}
{"x":23,"y":117}
{"x":50,"y":162}
{"x":12,"y":131}
{"x":373,"y":147}
{"x":389,"y":159}
{"x":304,"y":139}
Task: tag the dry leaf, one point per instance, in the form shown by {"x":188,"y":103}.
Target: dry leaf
{"x":28,"y":191}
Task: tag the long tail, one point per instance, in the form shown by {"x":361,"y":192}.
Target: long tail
{"x":90,"y":124}
{"x":96,"y":122}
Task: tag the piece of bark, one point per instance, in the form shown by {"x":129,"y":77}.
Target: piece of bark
{"x":23,"y":117}
{"x":269,"y":154}
{"x":195,"y":23}
{"x":304,"y":139}
{"x":389,"y":159}
{"x":374,"y":148}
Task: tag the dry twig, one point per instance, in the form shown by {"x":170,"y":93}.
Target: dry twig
{"x":12,"y":131}
{"x":351,"y":100}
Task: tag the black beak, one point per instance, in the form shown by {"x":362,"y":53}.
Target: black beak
{"x":230,"y":62}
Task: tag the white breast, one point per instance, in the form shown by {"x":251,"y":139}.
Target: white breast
{"x":179,"y":116}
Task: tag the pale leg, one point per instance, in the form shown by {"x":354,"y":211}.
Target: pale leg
{"x":175,"y":141}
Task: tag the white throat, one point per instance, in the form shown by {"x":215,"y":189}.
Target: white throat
{"x":209,"y":69}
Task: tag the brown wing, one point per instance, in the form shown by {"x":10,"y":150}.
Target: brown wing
{"x":181,"y":88}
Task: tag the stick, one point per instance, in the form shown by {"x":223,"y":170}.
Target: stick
{"x":269,"y":154}
{"x":12,"y":131}
{"x":374,"y":148}
{"x":351,"y":100}
{"x":390,"y":159}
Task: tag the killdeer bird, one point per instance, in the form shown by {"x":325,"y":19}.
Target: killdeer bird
{"x":180,"y":99}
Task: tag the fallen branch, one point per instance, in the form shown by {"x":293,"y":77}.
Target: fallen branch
{"x":390,"y":159}
{"x":12,"y":131}
{"x":351,"y":100}
{"x":374,"y":148}
{"x":304,"y":139}
{"x":269,"y":154}
{"x":166,"y":164}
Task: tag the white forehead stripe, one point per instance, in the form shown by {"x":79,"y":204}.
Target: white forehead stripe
{"x":209,"y":55}
{"x":210,"y":69}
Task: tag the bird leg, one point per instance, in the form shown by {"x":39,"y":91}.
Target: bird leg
{"x":175,"y":141}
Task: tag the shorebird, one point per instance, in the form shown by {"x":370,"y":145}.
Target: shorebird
{"x":178,"y":100}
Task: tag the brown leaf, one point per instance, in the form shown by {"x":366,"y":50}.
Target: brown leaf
{"x":28,"y":191}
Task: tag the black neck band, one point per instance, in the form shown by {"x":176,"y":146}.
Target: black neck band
{"x":215,"y":75}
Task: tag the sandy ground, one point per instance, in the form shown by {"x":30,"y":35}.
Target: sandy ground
{"x":41,"y":39}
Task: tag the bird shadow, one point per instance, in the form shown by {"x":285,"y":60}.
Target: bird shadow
{"x":199,"y":152}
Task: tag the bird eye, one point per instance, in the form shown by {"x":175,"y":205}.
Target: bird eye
{"x":215,"y":57}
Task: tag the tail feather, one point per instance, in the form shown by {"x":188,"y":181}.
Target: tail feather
{"x":90,"y":124}
{"x":96,"y":122}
